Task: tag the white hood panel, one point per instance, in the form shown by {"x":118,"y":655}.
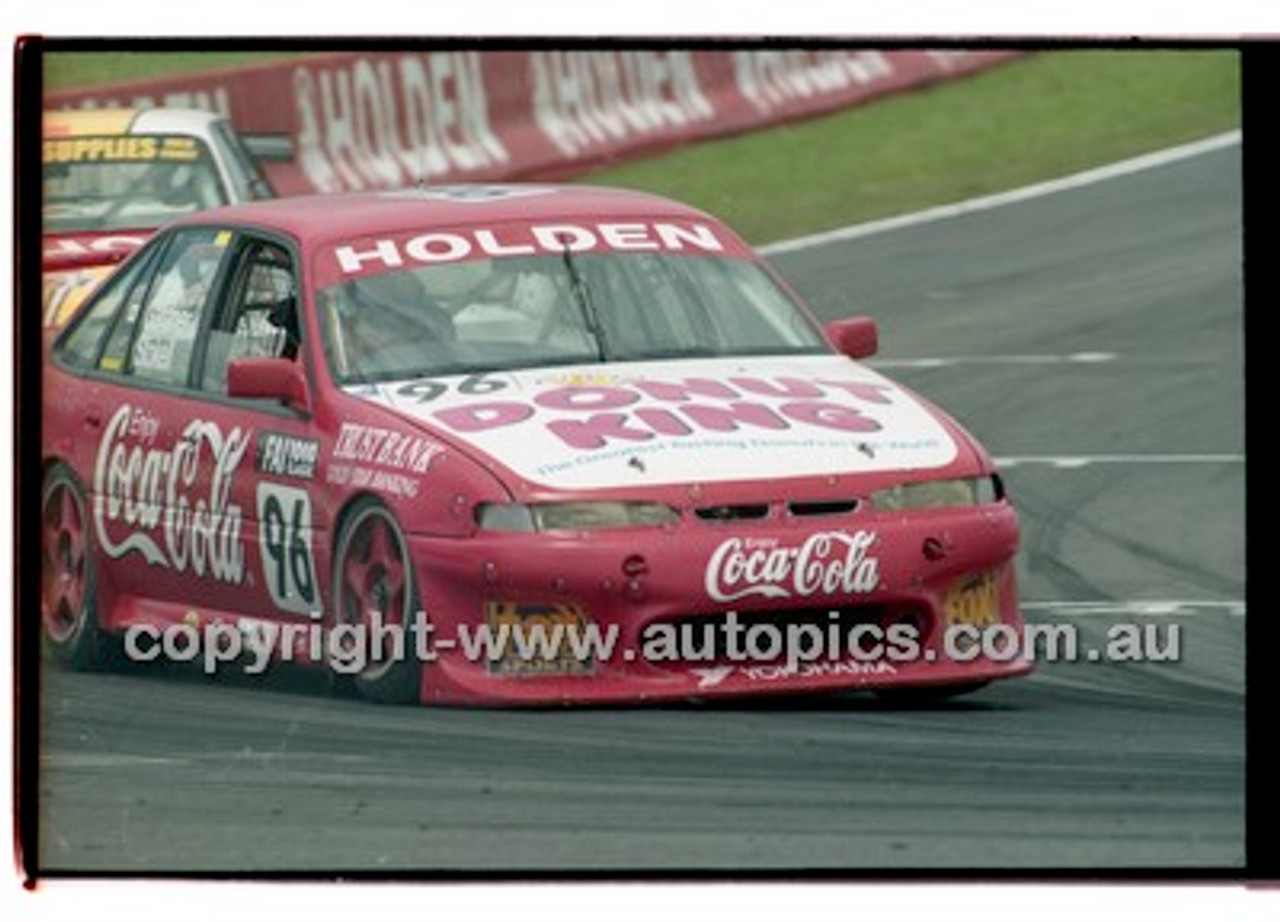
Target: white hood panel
{"x":674,"y":422}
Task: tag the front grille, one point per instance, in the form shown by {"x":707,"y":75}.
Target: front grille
{"x":746,"y":512}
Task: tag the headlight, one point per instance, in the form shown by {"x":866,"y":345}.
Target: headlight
{"x":572,"y":516}
{"x":938,"y":494}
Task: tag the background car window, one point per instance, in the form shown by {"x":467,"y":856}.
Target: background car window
{"x":103,"y":194}
{"x":260,"y":316}
{"x":247,"y":179}
{"x":165,"y":337}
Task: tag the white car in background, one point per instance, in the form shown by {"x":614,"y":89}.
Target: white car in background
{"x":111,"y":177}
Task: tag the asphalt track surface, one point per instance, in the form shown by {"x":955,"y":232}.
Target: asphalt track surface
{"x":1093,"y":338}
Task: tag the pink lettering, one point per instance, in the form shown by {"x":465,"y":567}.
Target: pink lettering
{"x":686,"y":390}
{"x":586,"y":398}
{"x":595,"y":431}
{"x":478,"y":417}
{"x":830,"y":416}
{"x":727,"y":419}
{"x":663,"y":422}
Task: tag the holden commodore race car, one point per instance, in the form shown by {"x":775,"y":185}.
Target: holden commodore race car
{"x":505,"y":444}
{"x":112,"y":176}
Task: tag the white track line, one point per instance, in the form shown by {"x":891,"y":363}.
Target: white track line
{"x":102,"y":760}
{"x":1144,"y":607}
{"x":1083,"y":358}
{"x":1074,"y":461}
{"x":1074,"y":181}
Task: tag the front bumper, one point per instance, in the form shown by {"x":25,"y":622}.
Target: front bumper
{"x":860,"y":602}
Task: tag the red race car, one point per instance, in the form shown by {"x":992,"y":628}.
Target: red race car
{"x":502,"y":444}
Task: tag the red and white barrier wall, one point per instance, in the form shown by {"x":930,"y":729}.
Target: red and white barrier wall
{"x":389,"y":119}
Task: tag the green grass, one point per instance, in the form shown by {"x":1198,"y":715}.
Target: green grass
{"x":66,"y":69}
{"x":1046,"y":115}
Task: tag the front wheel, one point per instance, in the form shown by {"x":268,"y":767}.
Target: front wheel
{"x":68,"y":607}
{"x":375,"y":599}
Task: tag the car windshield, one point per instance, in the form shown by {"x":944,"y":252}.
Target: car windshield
{"x":133,"y":181}
{"x":521,"y":312}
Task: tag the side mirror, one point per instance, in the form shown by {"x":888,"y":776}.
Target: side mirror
{"x":855,"y":337}
{"x":279,"y":379}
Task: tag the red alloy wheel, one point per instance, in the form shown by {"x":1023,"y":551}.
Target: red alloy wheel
{"x":374,"y":578}
{"x":64,"y":561}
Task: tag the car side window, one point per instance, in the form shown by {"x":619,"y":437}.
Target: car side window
{"x":164,"y":332}
{"x":81,"y":345}
{"x":259,"y":318}
{"x":117,"y":350}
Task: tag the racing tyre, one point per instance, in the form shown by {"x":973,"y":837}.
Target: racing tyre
{"x":68,"y":606}
{"x":373,"y":583}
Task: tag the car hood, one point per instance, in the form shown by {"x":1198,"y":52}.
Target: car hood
{"x":663,"y":423}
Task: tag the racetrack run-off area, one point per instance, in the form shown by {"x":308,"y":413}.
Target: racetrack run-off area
{"x":1127,"y":469}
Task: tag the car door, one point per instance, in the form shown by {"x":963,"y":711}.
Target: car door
{"x":201,"y":502}
{"x":258,"y":317}
{"x":162,"y":458}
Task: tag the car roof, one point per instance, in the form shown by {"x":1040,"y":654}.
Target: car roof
{"x":315,"y":219}
{"x":70,"y":123}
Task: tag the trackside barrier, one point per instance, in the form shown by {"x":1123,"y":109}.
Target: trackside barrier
{"x":391,"y":119}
